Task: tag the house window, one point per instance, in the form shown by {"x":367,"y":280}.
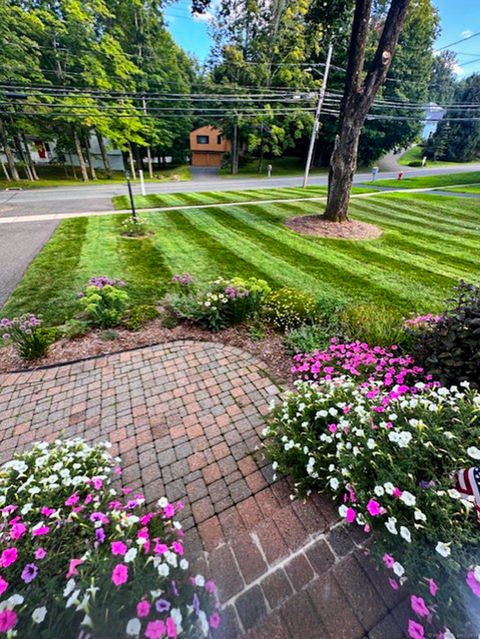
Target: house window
{"x":219,"y":139}
{"x":203,"y":139}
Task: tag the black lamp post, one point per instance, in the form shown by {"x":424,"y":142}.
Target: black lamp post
{"x":132,"y":202}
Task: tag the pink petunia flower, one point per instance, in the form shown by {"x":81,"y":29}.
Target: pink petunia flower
{"x":8,"y":557}
{"x":177,"y":547}
{"x":169,"y":511}
{"x":120,"y":575}
{"x":40,"y":530}
{"x":432,"y":587}
{"x":214,"y":620}
{"x":8,"y":619}
{"x":160,"y":549}
{"x":72,"y":500}
{"x":210,"y":587}
{"x":40,"y":553}
{"x":418,"y":606}
{"x":72,"y":569}
{"x":171,"y":628}
{"x":393,"y":584}
{"x":46,"y":512}
{"x":97,"y":483}
{"x":3,"y":585}
{"x":415,"y":630}
{"x":397,"y":493}
{"x":374,"y":508}
{"x":118,"y":548}
{"x":388,"y":560}
{"x":18,"y":530}
{"x":473,"y":584}
{"x":351,"y":515}
{"x":155,"y":629}
{"x":143,"y":608}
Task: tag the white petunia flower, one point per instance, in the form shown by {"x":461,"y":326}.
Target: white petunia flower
{"x":39,"y":614}
{"x":419,"y":515}
{"x":391,"y":525}
{"x":134,"y":627}
{"x":443,"y":549}
{"x":398,"y":569}
{"x":408,"y":499}
{"x":130,"y":555}
{"x":405,"y":533}
{"x":473,"y":452}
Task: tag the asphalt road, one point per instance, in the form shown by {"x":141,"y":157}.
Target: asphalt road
{"x":20,"y":243}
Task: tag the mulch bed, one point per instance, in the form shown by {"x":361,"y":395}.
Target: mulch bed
{"x":348,"y":230}
{"x":270,"y":349}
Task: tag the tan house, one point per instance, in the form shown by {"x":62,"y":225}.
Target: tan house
{"x":207,"y":146}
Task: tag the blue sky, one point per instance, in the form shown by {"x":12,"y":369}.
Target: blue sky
{"x":459,"y":18}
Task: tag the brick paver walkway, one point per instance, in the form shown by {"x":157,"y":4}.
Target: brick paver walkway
{"x":186,"y":419}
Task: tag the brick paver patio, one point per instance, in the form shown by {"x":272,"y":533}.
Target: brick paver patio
{"x":186,"y":418}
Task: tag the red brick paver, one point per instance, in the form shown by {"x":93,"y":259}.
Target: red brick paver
{"x":186,"y":418}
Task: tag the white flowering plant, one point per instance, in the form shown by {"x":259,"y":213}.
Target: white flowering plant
{"x":77,"y":554}
{"x":387,"y":456}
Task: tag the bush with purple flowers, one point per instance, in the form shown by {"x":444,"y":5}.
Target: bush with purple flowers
{"x":27,"y":336}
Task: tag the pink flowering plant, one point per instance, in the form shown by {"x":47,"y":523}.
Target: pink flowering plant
{"x":219,"y":303}
{"x":77,"y":554}
{"x":27,"y":336}
{"x":373,"y":431}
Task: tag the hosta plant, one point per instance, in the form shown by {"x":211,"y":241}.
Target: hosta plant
{"x":76,"y":555}
{"x":386,"y":454}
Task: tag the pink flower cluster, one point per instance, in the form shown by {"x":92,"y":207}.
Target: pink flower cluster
{"x":422,"y":321}
{"x":184,"y":279}
{"x":359,"y":360}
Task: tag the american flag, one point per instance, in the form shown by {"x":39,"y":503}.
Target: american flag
{"x":467,"y":482}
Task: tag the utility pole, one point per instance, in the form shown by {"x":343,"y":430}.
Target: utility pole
{"x":316,"y":121}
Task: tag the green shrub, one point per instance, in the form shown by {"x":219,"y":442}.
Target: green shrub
{"x":140,"y":315}
{"x":307,"y":338}
{"x":448,"y":346}
{"x":109,"y":335}
{"x":387,"y":460}
{"x":287,"y":308}
{"x":28,"y":336}
{"x":74,"y":328}
{"x":134,"y":227}
{"x":104,"y":307}
{"x":415,"y":163}
{"x":374,"y":325}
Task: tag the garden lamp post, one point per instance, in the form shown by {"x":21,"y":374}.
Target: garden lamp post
{"x":130,"y":193}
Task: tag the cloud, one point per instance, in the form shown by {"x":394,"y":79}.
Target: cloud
{"x":456,"y":68}
{"x":466,"y":34}
{"x":203,"y":17}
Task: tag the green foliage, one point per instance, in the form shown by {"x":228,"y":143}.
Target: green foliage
{"x":134,"y":227}
{"x":28,"y":336}
{"x":288,"y":308}
{"x":104,"y":307}
{"x":374,"y":324}
{"x":109,"y":335}
{"x":450,"y":348}
{"x":308,"y":338}
{"x":74,"y":328}
{"x":138,"y":316}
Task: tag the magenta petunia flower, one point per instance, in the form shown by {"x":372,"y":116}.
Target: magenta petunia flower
{"x":155,"y":629}
{"x":118,"y":548}
{"x":169,"y":511}
{"x":8,"y":557}
{"x":72,"y":500}
{"x":473,"y":584}
{"x":374,"y":508}
{"x":18,"y":530}
{"x":8,"y":619}
{"x":418,"y":606}
{"x":38,"y":531}
{"x":432,"y":587}
{"x":46,"y":512}
{"x":171,"y":628}
{"x":72,"y":569}
{"x":143,"y":608}
{"x":40,"y":553}
{"x":415,"y":630}
{"x":388,"y":560}
{"x":160,"y":549}
{"x":177,"y":547}
{"x":120,"y":575}
{"x":3,"y":585}
{"x":393,"y":583}
{"x":351,"y":515}
{"x":29,"y":573}
{"x":214,"y":620}
{"x":210,"y":587}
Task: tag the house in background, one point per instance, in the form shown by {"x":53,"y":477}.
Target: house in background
{"x":207,"y":146}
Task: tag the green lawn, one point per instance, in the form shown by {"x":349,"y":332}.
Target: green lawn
{"x":161,"y":200}
{"x":56,"y":176}
{"x":432,"y":181}
{"x":416,"y":153}
{"x":430,"y":242}
{"x":474,"y":188}
{"x":283,"y":166}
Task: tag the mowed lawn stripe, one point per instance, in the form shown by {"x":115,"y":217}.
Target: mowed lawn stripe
{"x":350,"y":268}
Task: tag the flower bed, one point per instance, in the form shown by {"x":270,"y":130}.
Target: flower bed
{"x":75,"y":554}
{"x":370,"y":428}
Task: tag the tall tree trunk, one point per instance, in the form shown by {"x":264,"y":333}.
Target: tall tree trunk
{"x":72,"y":166}
{"x":81,"y":159}
{"x":149,"y":161}
{"x":358,"y":98}
{"x":31,"y":164}
{"x":22,"y":156}
{"x":4,"y":169}
{"x":91,"y":164}
{"x":103,"y":151}
{"x":132,"y":163}
{"x":8,"y":153}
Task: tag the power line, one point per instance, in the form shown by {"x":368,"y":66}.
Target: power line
{"x":473,"y":35}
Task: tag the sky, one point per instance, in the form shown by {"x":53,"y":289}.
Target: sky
{"x":459,"y":18}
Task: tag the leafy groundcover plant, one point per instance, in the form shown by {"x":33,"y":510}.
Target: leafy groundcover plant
{"x":216,"y":304}
{"x":76,"y":555}
{"x":103,"y":301}
{"x":27,"y":335}
{"x":385,"y":441}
